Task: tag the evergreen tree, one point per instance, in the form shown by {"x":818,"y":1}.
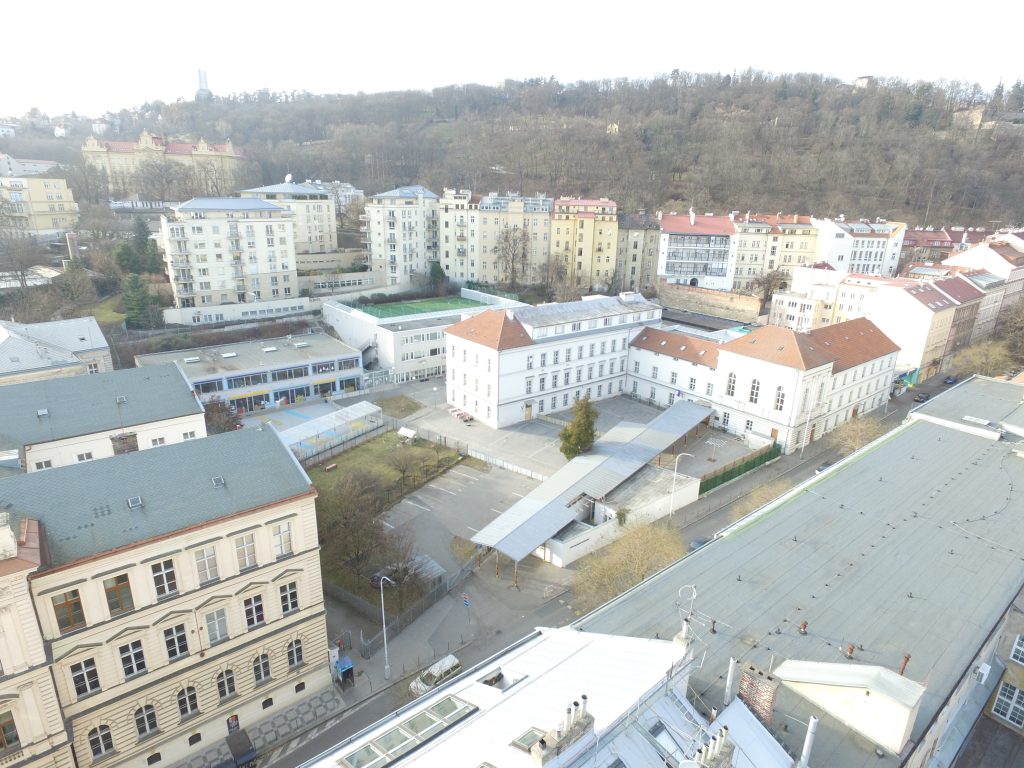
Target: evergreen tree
{"x":578,"y":435}
{"x":139,"y":308}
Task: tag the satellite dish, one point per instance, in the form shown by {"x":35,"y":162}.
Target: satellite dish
{"x":288,"y":179}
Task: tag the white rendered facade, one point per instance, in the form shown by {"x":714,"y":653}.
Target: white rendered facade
{"x":314,"y":214}
{"x":507,"y":367}
{"x":401,"y":235}
{"x":864,"y":247}
{"x":229,"y":251}
{"x":699,"y":251}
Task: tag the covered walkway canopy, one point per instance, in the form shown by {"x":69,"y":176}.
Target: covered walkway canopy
{"x":616,"y":457}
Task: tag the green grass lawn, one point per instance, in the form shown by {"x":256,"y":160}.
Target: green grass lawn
{"x":418,"y":306}
{"x":105,"y":313}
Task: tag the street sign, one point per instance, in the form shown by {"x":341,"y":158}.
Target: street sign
{"x":465,"y":599}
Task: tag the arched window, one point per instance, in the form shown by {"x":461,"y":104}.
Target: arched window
{"x":780,"y":399}
{"x":294,"y":653}
{"x":100,"y":741}
{"x":261,"y":668}
{"x":145,"y":720}
{"x":226,"y":684}
{"x":755,"y":390}
{"x":188,"y":704}
{"x":730,"y":385}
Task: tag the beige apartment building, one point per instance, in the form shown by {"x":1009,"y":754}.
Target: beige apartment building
{"x":178,"y":597}
{"x":215,"y":169}
{"x":584,"y":236}
{"x":515,"y":232}
{"x":32,"y":731}
{"x":636,"y":257}
{"x":43,"y":209}
{"x":226,"y":250}
{"x":314,"y":214}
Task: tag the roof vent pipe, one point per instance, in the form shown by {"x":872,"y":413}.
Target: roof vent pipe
{"x":583,"y":706}
{"x":575,"y":713}
{"x":805,"y":755}
{"x":693,"y":216}
{"x":903,"y":666}
{"x":729,"y":678}
{"x":568,"y":719}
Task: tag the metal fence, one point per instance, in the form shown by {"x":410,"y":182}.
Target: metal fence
{"x":321,"y":453}
{"x":739,"y":467}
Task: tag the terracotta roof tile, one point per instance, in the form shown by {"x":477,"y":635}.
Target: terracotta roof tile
{"x":782,"y":346}
{"x":494,"y":329}
{"x":959,"y":290}
{"x":678,"y":345}
{"x":853,"y":343}
{"x":702,"y":225}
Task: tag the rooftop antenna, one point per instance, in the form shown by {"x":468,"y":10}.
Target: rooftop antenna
{"x":693,"y":598}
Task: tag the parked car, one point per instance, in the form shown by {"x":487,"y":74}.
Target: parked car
{"x":821,"y":468}
{"x":922,"y":397}
{"x":698,"y":543}
{"x":949,"y":380}
{"x":437,"y":673}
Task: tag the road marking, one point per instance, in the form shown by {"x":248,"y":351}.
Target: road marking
{"x":495,"y":511}
{"x":443,"y":490}
{"x":456,"y":472}
{"x":418,"y":506}
{"x":474,"y":530}
{"x":518,"y":494}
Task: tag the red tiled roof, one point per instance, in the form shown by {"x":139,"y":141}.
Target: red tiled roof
{"x":702,"y":225}
{"x":493,"y":328}
{"x":1008,"y":252}
{"x":959,"y":290}
{"x":782,"y":346}
{"x":678,"y":345}
{"x":853,"y":343}
{"x":929,"y":296}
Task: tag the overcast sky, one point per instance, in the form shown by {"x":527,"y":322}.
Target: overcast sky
{"x":92,"y":57}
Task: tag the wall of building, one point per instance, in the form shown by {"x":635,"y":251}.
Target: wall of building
{"x":105,"y":634}
{"x":711,"y":302}
{"x":98,"y":445}
{"x":228,"y":313}
{"x":73,"y":369}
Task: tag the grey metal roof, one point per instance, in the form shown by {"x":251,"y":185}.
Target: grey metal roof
{"x":258,"y":355}
{"x":616,"y":457}
{"x":412,"y":191}
{"x":84,"y":507}
{"x":577,"y":311}
{"x":47,"y":345}
{"x":985,"y":280}
{"x":912,"y":546}
{"x":229,"y":204}
{"x":81,"y":405}
{"x":288,"y":189}
{"x":978,"y":402}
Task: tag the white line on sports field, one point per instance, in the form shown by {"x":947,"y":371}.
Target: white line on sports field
{"x":456,"y":472}
{"x":418,"y":506}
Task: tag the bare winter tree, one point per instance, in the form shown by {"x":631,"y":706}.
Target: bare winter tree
{"x":512,"y":252}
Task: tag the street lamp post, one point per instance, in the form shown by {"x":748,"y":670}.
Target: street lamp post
{"x":384,"y":622}
{"x":675,"y":474}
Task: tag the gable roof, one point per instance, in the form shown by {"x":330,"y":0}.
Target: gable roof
{"x":493,"y":328}
{"x":674,"y":224}
{"x":81,"y":405}
{"x":928,"y":295}
{"x":83,"y":508}
{"x":677,"y":345}
{"x":853,"y":343}
{"x":782,"y":346}
{"x":958,"y":289}
{"x":47,"y":345}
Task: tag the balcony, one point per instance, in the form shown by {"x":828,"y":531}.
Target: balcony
{"x":185,"y":290}
{"x":364,"y":217}
{"x":460,"y":237}
{"x":180,"y":263}
{"x":364,"y":228}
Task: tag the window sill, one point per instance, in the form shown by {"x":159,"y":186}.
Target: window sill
{"x":179,"y":657}
{"x":218,"y":641}
{"x":190,"y":716}
{"x":88,"y":695}
{"x":155,"y":732}
{"x":166,"y":597}
{"x":257,"y":625}
{"x":105,"y":757}
{"x":296,"y":667}
{"x":226,"y":699}
{"x":264,"y":681}
{"x":135,"y":675}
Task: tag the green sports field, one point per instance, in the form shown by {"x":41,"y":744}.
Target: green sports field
{"x":419,"y":306}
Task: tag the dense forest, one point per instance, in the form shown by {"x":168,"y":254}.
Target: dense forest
{"x":718,"y":142}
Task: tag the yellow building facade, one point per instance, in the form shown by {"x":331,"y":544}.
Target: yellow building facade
{"x":209,"y":169}
{"x":30,"y":207}
{"x":584,"y":236}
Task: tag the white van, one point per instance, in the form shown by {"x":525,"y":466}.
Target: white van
{"x":437,"y":673}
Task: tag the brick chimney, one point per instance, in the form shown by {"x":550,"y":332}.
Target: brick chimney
{"x":757,"y":691}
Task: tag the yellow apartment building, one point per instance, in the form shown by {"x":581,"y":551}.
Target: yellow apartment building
{"x":30,"y":207}
{"x":584,"y":235}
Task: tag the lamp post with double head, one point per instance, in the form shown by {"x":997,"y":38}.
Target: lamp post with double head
{"x":384,"y":622}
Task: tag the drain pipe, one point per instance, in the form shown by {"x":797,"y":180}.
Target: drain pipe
{"x":729,"y":681}
{"x":805,"y":756}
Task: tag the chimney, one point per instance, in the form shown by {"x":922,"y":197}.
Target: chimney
{"x":796,"y":218}
{"x":568,"y":720}
{"x":849,"y":651}
{"x":805,"y":755}
{"x":757,"y":690}
{"x":803,"y":627}
{"x":583,"y":707}
{"x":748,"y":217}
{"x":575,"y":713}
{"x":903,"y":666}
{"x":732,"y":215}
{"x":729,"y":678}
{"x":693,"y":216}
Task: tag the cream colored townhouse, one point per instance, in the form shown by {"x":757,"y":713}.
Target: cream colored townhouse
{"x":584,"y":235}
{"x":178,"y":593}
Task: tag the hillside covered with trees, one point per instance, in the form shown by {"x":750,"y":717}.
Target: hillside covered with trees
{"x":746,"y":141}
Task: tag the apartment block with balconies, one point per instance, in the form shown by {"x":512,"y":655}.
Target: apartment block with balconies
{"x":401,"y":235}
{"x":314,"y":214}
{"x":229,"y":251}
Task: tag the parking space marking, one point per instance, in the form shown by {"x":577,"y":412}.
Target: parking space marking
{"x":444,"y":490}
{"x":517,"y":494}
{"x":474,"y":530}
{"x":418,"y":506}
{"x":389,"y":525}
{"x":456,"y":472}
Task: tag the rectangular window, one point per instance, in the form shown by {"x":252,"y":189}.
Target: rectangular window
{"x":636,"y":366}
{"x":87,"y":456}
{"x":654,"y":372}
{"x":119,"y":594}
{"x":216,"y":626}
{"x":282,"y":535}
{"x":780,"y":398}
{"x":8,"y":733}
{"x":190,"y":435}
{"x":245,"y":549}
{"x":290,"y":597}
{"x":253,"y":611}
{"x":673,"y":378}
{"x":85,"y":677}
{"x":206,"y":564}
{"x":1017,"y":654}
{"x":176,"y":640}
{"x":164,"y":580}
{"x":710,"y":389}
{"x":67,"y":606}
{"x":157,"y":441}
{"x":43,"y":464}
{"x":132,"y":659}
{"x":1009,"y":704}
{"x":749,"y":426}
